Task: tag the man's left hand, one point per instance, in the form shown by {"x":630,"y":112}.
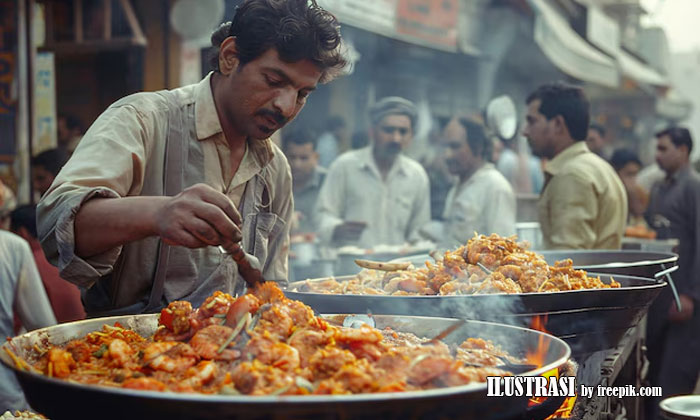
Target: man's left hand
{"x":686,"y":311}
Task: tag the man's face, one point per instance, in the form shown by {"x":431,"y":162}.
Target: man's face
{"x":391,"y":135}
{"x":540,"y":131}
{"x":41,"y":179}
{"x":459,"y":157}
{"x":263,"y":95}
{"x":302,"y":159}
{"x":595,"y":141}
{"x":668,"y":156}
{"x":628,"y":173}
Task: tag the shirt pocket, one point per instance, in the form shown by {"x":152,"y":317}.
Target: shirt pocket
{"x":400,"y":211}
{"x":264,"y":227}
{"x":463,"y":221}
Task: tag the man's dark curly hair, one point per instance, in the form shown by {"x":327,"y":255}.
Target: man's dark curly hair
{"x":297,"y":29}
{"x":569,"y":101}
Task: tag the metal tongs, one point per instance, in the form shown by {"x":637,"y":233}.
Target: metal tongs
{"x":248,"y":265}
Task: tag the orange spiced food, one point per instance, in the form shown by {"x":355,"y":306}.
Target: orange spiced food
{"x":262,"y":343}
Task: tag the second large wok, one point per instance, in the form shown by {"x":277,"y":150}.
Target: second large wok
{"x":588,"y":320}
{"x":60,"y":399}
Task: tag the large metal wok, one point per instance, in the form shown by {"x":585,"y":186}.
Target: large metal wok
{"x":627,"y":262}
{"x":588,"y":320}
{"x":59,"y":399}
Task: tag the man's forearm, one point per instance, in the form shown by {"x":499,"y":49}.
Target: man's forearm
{"x":105,"y":223}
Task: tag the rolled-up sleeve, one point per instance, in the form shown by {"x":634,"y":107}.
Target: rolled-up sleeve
{"x":108,"y":163}
{"x":572,"y":213}
{"x":330,"y":202}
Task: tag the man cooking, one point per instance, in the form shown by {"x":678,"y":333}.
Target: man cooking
{"x":376,"y":195}
{"x":161,"y":179}
{"x":583,"y":202}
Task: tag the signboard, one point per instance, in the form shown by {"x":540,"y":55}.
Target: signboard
{"x":45,"y":125}
{"x":431,"y":21}
{"x":377,"y":16}
{"x":8,"y":67}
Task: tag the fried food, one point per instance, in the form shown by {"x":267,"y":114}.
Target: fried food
{"x":485,"y":265}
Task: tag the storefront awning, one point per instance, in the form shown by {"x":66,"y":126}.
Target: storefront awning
{"x":673,"y":106}
{"x":568,"y":50}
{"x":638,"y":71}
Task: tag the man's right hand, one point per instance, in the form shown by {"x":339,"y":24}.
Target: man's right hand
{"x":348,"y":232}
{"x":197,"y":217}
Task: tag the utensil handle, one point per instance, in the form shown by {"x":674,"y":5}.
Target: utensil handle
{"x":667,"y":272}
{"x":248,"y":265}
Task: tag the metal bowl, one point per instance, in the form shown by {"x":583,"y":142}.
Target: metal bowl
{"x":60,"y":399}
{"x":683,"y":407}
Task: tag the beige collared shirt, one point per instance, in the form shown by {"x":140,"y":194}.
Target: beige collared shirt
{"x":123,"y":147}
{"x":394,"y":209}
{"x":583,"y":203}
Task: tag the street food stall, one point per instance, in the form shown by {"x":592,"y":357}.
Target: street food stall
{"x":383,"y":348}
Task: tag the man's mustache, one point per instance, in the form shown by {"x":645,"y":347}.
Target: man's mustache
{"x":393,"y":147}
{"x":279,"y":118}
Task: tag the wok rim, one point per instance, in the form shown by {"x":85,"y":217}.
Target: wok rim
{"x":291,"y":399}
{"x":668,"y":257}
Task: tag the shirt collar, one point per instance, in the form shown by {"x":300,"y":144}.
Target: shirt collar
{"x":206,"y":119}
{"x":477,"y":174}
{"x":207,"y":122}
{"x":316,"y":179}
{"x":680,"y":174}
{"x":559,"y":161}
{"x":366,"y":161}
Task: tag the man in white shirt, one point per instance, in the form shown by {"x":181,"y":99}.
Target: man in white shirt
{"x":482,"y":200}
{"x":328,"y":144}
{"x":307,"y":177}
{"x":22,"y":294}
{"x":376,"y":195}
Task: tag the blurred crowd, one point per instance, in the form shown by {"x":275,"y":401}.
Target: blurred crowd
{"x":372,"y":194}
